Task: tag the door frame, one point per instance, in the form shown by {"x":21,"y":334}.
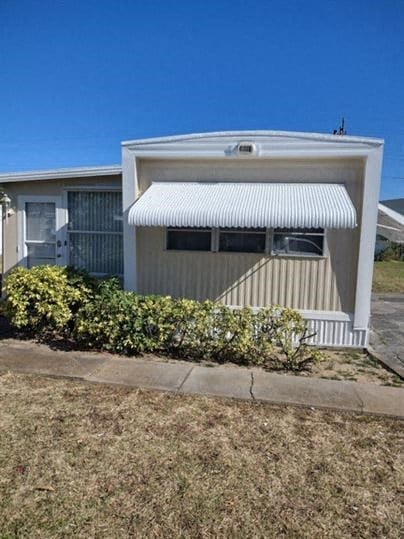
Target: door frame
{"x":61,"y":224}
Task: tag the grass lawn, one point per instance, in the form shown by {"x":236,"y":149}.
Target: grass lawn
{"x":388,"y":276}
{"x":81,"y":460}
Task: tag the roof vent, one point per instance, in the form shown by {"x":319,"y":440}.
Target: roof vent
{"x":246,"y":148}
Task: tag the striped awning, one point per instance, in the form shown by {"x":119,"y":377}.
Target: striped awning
{"x":244,"y":205}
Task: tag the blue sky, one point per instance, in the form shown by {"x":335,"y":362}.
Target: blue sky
{"x":79,"y":76}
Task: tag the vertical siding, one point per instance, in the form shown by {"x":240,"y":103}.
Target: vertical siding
{"x":337,"y":333}
{"x":249,"y":279}
{"x":242,"y":279}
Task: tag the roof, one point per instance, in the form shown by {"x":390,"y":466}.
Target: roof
{"x":60,"y":173}
{"x":390,"y":224}
{"x":215,"y":144}
{"x":244,"y":205}
{"x":255,"y":134}
{"x":395,"y":217}
{"x":396,"y":204}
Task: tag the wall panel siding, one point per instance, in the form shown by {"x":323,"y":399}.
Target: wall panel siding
{"x":337,"y":333}
{"x":241,"y":279}
{"x":249,"y":279}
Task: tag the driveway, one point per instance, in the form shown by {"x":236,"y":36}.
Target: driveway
{"x":388,"y":327}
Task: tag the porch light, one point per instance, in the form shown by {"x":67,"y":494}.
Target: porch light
{"x":5,"y":200}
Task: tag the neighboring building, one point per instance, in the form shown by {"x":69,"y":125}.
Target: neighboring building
{"x":396,"y":204}
{"x":244,"y":218}
{"x":390,"y":227}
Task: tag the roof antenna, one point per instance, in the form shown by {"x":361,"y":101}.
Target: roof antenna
{"x":341,"y":130}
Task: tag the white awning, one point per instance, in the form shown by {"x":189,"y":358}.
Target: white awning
{"x":244,"y":205}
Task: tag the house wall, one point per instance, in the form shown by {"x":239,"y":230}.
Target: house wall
{"x":45,"y":188}
{"x":324,"y":284}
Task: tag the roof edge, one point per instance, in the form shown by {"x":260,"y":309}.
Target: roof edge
{"x":393,"y":214}
{"x":60,"y":173}
{"x":255,"y":133}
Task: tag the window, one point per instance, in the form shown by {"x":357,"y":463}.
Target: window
{"x":189,"y":239}
{"x":95,"y":231}
{"x":297,"y":242}
{"x":242,"y":240}
{"x":280,"y":241}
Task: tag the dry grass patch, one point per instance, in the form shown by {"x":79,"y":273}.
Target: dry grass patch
{"x":353,"y":365}
{"x":96,"y":461}
{"x":388,"y":276}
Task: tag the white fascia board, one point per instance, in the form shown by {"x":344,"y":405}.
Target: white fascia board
{"x":129,"y":195}
{"x":267,"y":146}
{"x":368,"y":227}
{"x":338,"y":316}
{"x":333,"y":316}
{"x":285,"y":153}
{"x":60,"y":173}
{"x":259,"y":134}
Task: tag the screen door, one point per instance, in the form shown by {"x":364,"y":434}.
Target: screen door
{"x":42,"y":241}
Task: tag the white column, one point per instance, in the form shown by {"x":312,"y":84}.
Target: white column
{"x":129,"y":181}
{"x":371,"y":188}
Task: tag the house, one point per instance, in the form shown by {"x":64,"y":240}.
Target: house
{"x":244,"y":218}
{"x":396,"y":204}
{"x":390,"y":227}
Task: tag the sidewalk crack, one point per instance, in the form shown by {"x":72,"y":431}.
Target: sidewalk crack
{"x":360,"y":400}
{"x":252,"y":386}
{"x":184,"y":380}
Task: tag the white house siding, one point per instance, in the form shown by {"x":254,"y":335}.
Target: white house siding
{"x":326,"y":284}
{"x":336,"y":333}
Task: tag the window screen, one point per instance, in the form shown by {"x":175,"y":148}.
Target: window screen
{"x":306,"y":242}
{"x":191,"y":239}
{"x":40,"y":233}
{"x":95,"y":231}
{"x":242,"y":240}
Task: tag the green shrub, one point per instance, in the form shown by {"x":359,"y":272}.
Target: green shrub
{"x":123,"y":322}
{"x":284,"y":334}
{"x":393,"y":251}
{"x":129,"y":324}
{"x":44,"y":299}
{"x":111,"y":321}
{"x":215,"y":332}
{"x":100,"y":315}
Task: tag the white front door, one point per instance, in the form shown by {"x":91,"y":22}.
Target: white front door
{"x":41,"y":231}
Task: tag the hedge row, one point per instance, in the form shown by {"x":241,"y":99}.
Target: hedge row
{"x":57,"y":301}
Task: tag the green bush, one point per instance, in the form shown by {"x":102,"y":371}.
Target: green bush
{"x":284,"y":335}
{"x":123,"y":322}
{"x":393,"y":251}
{"x":100,"y":315}
{"x":44,"y":299}
{"x":129,"y":324}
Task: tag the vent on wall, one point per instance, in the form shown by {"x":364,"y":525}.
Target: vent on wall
{"x":246,"y":148}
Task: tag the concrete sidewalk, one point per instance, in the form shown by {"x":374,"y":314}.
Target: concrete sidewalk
{"x":187,"y":378}
{"x":387,"y":338}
